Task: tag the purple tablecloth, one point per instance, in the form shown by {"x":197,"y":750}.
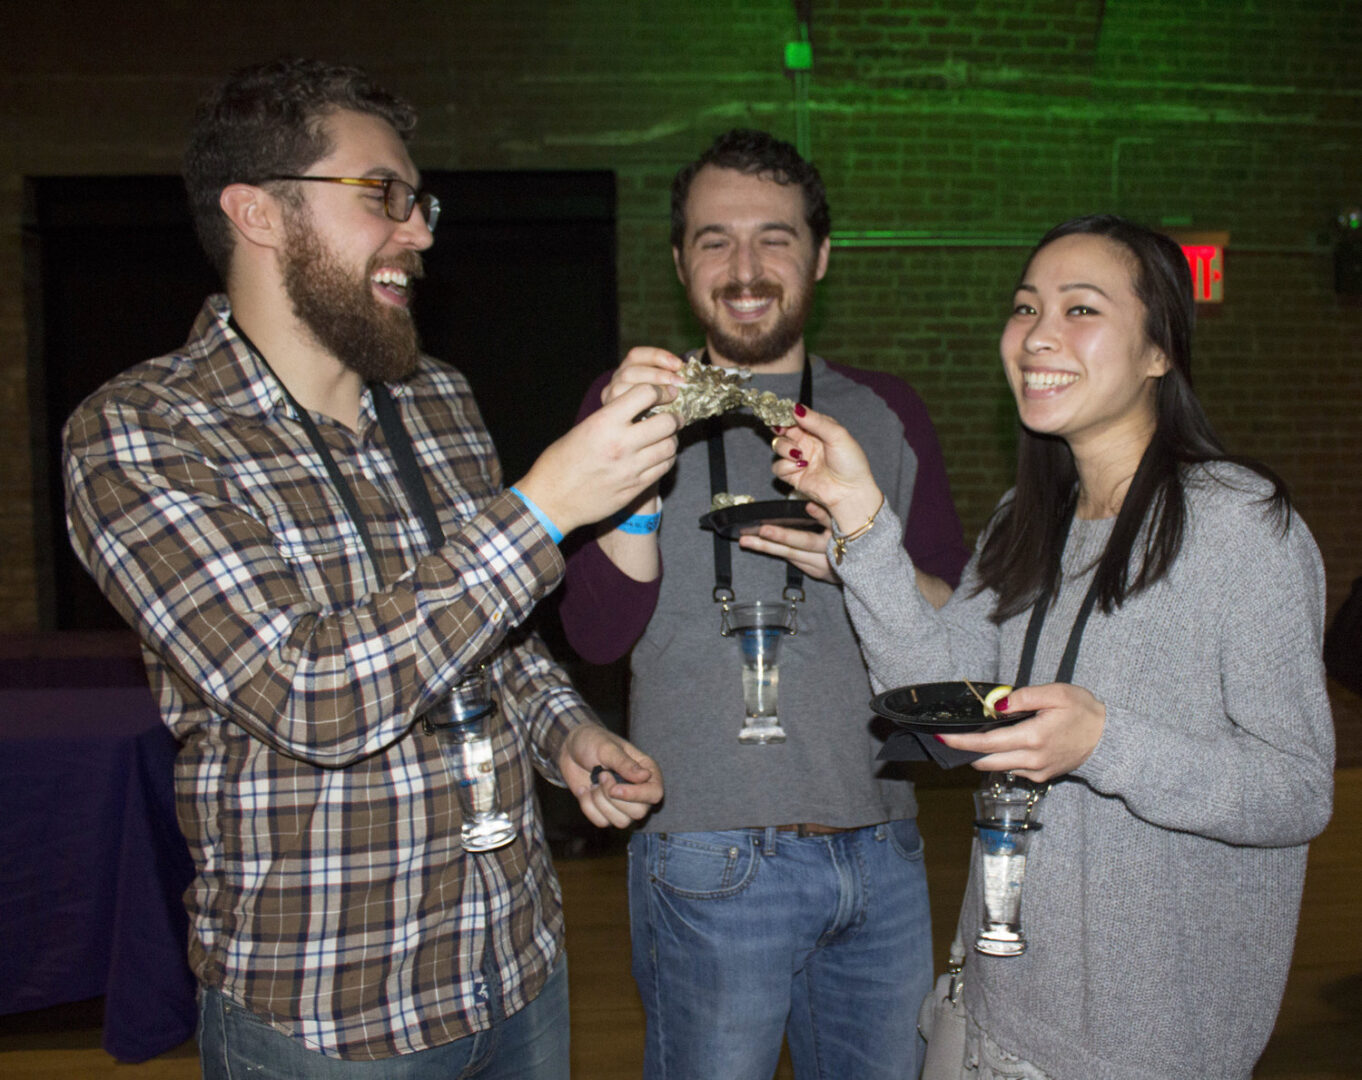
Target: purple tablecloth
{"x":92,"y":863}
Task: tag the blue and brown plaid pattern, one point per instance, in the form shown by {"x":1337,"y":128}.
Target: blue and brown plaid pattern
{"x":332,"y":896}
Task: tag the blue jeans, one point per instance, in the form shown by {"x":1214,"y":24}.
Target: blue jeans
{"x":235,"y":1044}
{"x":742,"y":936}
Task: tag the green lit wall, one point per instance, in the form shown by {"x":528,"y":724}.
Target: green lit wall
{"x":961,"y":129}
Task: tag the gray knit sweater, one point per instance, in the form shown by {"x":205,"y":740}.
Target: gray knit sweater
{"x":1161,"y":898}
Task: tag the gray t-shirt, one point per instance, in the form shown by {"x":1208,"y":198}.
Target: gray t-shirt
{"x":686,"y":704}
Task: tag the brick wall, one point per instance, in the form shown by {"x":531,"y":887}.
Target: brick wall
{"x":973,"y":126}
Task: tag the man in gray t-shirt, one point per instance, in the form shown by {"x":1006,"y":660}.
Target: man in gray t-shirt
{"x":779,"y":889}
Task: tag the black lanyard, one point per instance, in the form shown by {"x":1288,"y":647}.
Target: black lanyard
{"x":399,"y":443}
{"x":1070,"y":659}
{"x":718,"y":483}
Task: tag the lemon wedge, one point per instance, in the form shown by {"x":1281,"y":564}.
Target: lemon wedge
{"x":992,"y":698}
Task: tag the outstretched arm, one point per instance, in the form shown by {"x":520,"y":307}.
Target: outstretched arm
{"x":821,"y":459}
{"x":613,"y":574}
{"x":604,"y":463}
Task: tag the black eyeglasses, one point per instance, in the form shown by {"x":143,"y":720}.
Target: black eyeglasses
{"x":399,"y":197}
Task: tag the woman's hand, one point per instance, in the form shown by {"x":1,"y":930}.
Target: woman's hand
{"x":805,"y":548}
{"x":1057,"y":740}
{"x":819,"y":458}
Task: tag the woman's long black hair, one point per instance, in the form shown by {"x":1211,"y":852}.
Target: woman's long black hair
{"x":1020,"y":560}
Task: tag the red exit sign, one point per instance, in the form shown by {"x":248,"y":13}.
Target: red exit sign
{"x":1208,"y":271}
{"x":1205,"y":253}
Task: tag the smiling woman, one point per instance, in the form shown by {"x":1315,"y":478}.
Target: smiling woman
{"x":1079,"y":363}
{"x":1186,"y":597}
{"x":1108,"y":306}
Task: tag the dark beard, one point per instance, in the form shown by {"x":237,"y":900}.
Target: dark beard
{"x":754,"y":348}
{"x":376,"y":341}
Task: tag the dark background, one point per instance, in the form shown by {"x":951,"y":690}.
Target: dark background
{"x":519,"y":294}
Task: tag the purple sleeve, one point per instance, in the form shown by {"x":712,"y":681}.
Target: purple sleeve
{"x":603,"y":610}
{"x":932,"y":535}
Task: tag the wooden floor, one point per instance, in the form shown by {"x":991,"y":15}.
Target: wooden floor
{"x":1318,"y":1035}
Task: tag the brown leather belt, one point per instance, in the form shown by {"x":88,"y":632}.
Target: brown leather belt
{"x":814,"y":829}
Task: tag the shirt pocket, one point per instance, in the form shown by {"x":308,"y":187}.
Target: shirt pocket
{"x":311,"y":543}
{"x":331,"y":567}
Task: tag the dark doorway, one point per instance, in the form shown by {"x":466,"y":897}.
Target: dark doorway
{"x":520,"y":295}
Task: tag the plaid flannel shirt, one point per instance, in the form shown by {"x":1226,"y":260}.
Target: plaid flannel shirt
{"x":331,"y":896}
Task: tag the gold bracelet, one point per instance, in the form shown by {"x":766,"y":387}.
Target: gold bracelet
{"x":839,"y":543}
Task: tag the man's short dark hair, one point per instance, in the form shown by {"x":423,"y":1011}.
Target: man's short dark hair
{"x":755,"y":153}
{"x":266,"y":120}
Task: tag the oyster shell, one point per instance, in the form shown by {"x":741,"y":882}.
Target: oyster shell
{"x":710,"y":390}
{"x":771,"y":410}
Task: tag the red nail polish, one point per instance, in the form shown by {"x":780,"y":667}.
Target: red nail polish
{"x":801,"y":411}
{"x":939,"y":739}
{"x":796,"y":453}
{"x":1000,"y":705}
{"x":801,"y":464}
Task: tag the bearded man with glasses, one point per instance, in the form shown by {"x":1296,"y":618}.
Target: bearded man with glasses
{"x":304,"y":519}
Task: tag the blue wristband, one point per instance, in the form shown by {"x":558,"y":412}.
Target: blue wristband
{"x":554,"y":530}
{"x":639,"y":524}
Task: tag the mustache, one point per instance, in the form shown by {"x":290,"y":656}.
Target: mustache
{"x":409,"y":262}
{"x":757,"y":290}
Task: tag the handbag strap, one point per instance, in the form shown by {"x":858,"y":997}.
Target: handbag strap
{"x":955,"y":963}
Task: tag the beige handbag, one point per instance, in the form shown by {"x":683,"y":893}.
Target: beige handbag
{"x":941,"y":1020}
